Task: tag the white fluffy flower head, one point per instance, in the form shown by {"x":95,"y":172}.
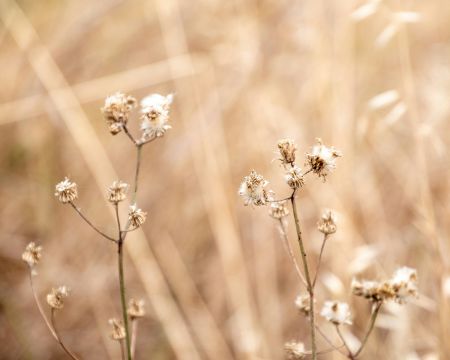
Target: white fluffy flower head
{"x":336,"y":312}
{"x":155,"y":115}
{"x":322,"y":159}
{"x":253,"y":190}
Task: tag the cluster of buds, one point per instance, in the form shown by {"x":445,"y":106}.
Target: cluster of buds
{"x":295,"y":350}
{"x":336,"y":312}
{"x":401,"y":287}
{"x":117,"y":110}
{"x":155,"y":110}
{"x":56,"y":297}
{"x":327,"y":222}
{"x":322,"y":159}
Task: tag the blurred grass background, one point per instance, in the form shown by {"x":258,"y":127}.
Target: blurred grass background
{"x":213,"y":273}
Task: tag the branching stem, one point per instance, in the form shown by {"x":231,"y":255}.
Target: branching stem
{"x":59,"y":340}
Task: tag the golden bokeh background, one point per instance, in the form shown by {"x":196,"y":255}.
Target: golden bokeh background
{"x":214,"y":275}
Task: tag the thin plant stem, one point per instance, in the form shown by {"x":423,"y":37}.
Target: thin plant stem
{"x":122,"y":296}
{"x":370,"y":328}
{"x":307,"y":277}
{"x":58,"y":338}
{"x":136,"y":175}
{"x":116,"y":208}
{"x":325,"y":238}
{"x":39,"y":306}
{"x":350,"y":354}
{"x":327,"y":339}
{"x":125,"y":129}
{"x":288,"y":247}
{"x":134,"y":331}
{"x":122,"y":349}
{"x":78,"y":210}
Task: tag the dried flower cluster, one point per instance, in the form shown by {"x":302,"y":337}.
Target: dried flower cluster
{"x":336,"y":312}
{"x":294,"y":177}
{"x":302,"y":304}
{"x":32,"y":254}
{"x":117,"y":110}
{"x":327,"y":222}
{"x":118,"y":331}
{"x":136,"y":309}
{"x":56,"y":297}
{"x":253,"y":190}
{"x":117,"y":192}
{"x":322,"y":159}
{"x":155,"y":115}
{"x":66,"y":191}
{"x":287,"y":149}
{"x":279,"y":209}
{"x":136,"y":216}
{"x":295,"y":350}
{"x":401,"y":287}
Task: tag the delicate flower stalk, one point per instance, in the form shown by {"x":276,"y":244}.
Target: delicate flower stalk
{"x":58,"y":337}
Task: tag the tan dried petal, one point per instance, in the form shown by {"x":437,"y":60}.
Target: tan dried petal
{"x":118,"y":331}
{"x":136,"y":308}
{"x":116,"y":111}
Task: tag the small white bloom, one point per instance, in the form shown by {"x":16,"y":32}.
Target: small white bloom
{"x":404,"y":283}
{"x":322,"y":159}
{"x":155,"y":115}
{"x":336,"y":312}
{"x":327,"y":222}
{"x":253,"y":190}
{"x":66,"y":191}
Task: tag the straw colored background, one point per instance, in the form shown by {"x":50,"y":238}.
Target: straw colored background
{"x":214,"y":275}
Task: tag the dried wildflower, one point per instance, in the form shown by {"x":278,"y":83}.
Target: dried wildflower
{"x":32,"y":254}
{"x":253,"y":190}
{"x":287,"y":150}
{"x":302,"y":304}
{"x":136,"y":308}
{"x":136,"y":216}
{"x":118,"y":332}
{"x":294,"y":177}
{"x":327,"y":222}
{"x":116,"y":111}
{"x":322,"y":159}
{"x":295,"y":350}
{"x":56,"y":298}
{"x":279,"y":209}
{"x":399,"y":288}
{"x":336,"y":312}
{"x":155,"y":115}
{"x":404,"y":284}
{"x":117,"y":191}
{"x":66,"y":191}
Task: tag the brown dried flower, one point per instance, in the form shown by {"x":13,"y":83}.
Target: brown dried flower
{"x":322,"y":159}
{"x":116,"y":111}
{"x":294,"y":177}
{"x":118,"y":331}
{"x":279,"y":209}
{"x":327,"y":222}
{"x":295,"y":350}
{"x":136,"y":216}
{"x":287,"y":150}
{"x":66,"y":191}
{"x":136,"y":308}
{"x":32,"y":254}
{"x":117,"y":191}
{"x":253,"y":190}
{"x":56,"y":298}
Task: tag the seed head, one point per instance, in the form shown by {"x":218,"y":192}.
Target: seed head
{"x":327,"y":223}
{"x":253,"y":190}
{"x":322,"y":159}
{"x":155,"y":115}
{"x":32,"y":254}
{"x":295,"y":350}
{"x":66,"y":191}
{"x":117,"y":191}
{"x":56,"y":298}
{"x":136,"y":216}
{"x":294,"y":177}
{"x":302,"y":303}
{"x":116,"y":111}
{"x":136,"y":309}
{"x":287,"y":150}
{"x":336,"y":312}
{"x":118,"y":331}
{"x":279,"y":209}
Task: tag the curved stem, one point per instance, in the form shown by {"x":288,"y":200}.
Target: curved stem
{"x":78,"y":210}
{"x":350,"y":354}
{"x":327,"y":339}
{"x":125,"y":129}
{"x":307,"y":276}
{"x":39,"y":306}
{"x":290,"y":252}
{"x":370,"y":328}
{"x":325,"y":237}
{"x":58,"y":338}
